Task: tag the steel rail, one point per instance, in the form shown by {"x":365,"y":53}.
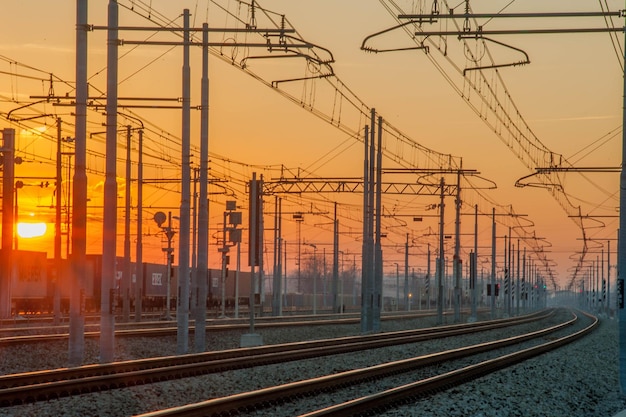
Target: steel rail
{"x":422,"y":388}
{"x":169,"y":330}
{"x":232,"y":405}
{"x":224,"y":324}
{"x":42,"y":385}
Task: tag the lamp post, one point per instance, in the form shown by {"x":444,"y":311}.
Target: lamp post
{"x":159,"y":218}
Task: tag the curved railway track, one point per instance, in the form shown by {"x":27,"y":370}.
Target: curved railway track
{"x":242,"y":403}
{"x":43,"y":385}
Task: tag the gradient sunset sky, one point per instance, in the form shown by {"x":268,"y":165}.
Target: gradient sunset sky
{"x":570,"y":95}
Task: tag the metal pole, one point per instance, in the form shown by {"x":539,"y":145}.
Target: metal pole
{"x":493,"y":265}
{"x":365,"y":258}
{"x":324,"y":279}
{"x":456,"y":264}
{"x":16,"y":215}
{"x":608,"y":279}
{"x":335,"y":284}
{"x":260,"y":240}
{"x":254,"y":190}
{"x":531,"y":282}
{"x":57,"y":229}
{"x":507,"y":293}
{"x":371,"y":274}
{"x":279,"y":260}
{"x":474,"y":267}
{"x":125,"y":282}
{"x":182,"y":312}
{"x":602,"y":283}
{"x":440,"y":260}
{"x":397,"y":285}
{"x":201,"y":271}
{"x":314,"y":280}
{"x":299,"y":232}
{"x":406,"y":273}
{"x":276,"y":292}
{"x":79,"y":219}
{"x":107,"y":316}
{"x":598,"y":297}
{"x":428,"y":292}
{"x":8,"y":144}
{"x":285,"y":275}
{"x":524,"y":284}
{"x":193,"y":288}
{"x":139,"y":250}
{"x":517,"y":278}
{"x":224,"y":251}
{"x":378,"y":255}
{"x":237,"y":279}
{"x":169,"y":233}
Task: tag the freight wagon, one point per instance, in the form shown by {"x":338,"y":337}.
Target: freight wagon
{"x":34,"y":278}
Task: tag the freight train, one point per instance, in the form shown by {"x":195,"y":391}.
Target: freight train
{"x":33,"y":278}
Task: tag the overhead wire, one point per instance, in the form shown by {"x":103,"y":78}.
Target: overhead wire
{"x":561,"y":197}
{"x":615,"y":41}
{"x":299,"y":101}
{"x":349,"y":97}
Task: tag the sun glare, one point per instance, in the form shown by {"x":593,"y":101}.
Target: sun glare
{"x":27,"y":230}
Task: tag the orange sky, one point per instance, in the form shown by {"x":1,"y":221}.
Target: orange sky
{"x":570,"y":96}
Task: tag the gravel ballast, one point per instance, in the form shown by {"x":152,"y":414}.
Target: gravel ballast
{"x":580,"y":379}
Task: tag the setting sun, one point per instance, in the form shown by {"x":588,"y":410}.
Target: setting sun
{"x":28,"y":230}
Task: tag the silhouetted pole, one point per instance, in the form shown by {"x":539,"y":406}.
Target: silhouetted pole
{"x":201,"y":269}
{"x":366,"y":259}
{"x":493,"y":265}
{"x":474,"y":267}
{"x":125,"y":284}
{"x":608,"y":279}
{"x":378,"y":254}
{"x":107,"y":316}
{"x":276,"y":281}
{"x":8,"y":144}
{"x":517,"y":280}
{"x":440,"y":260}
{"x":524,"y":283}
{"x":182,"y":311}
{"x":456,"y":264}
{"x":406,"y":273}
{"x":58,"y":263}
{"x":139,"y":247}
{"x":335,"y":283}
{"x":507,"y":294}
{"x":428,"y":275}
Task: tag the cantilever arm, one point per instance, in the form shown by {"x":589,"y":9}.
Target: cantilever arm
{"x":382,"y":32}
{"x":511,"y":64}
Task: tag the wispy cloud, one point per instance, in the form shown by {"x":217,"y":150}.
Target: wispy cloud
{"x":35,"y":47}
{"x":578,"y":118}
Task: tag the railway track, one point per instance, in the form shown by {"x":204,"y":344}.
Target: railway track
{"x":35,"y":386}
{"x":34,"y":334}
{"x":374,"y":403}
